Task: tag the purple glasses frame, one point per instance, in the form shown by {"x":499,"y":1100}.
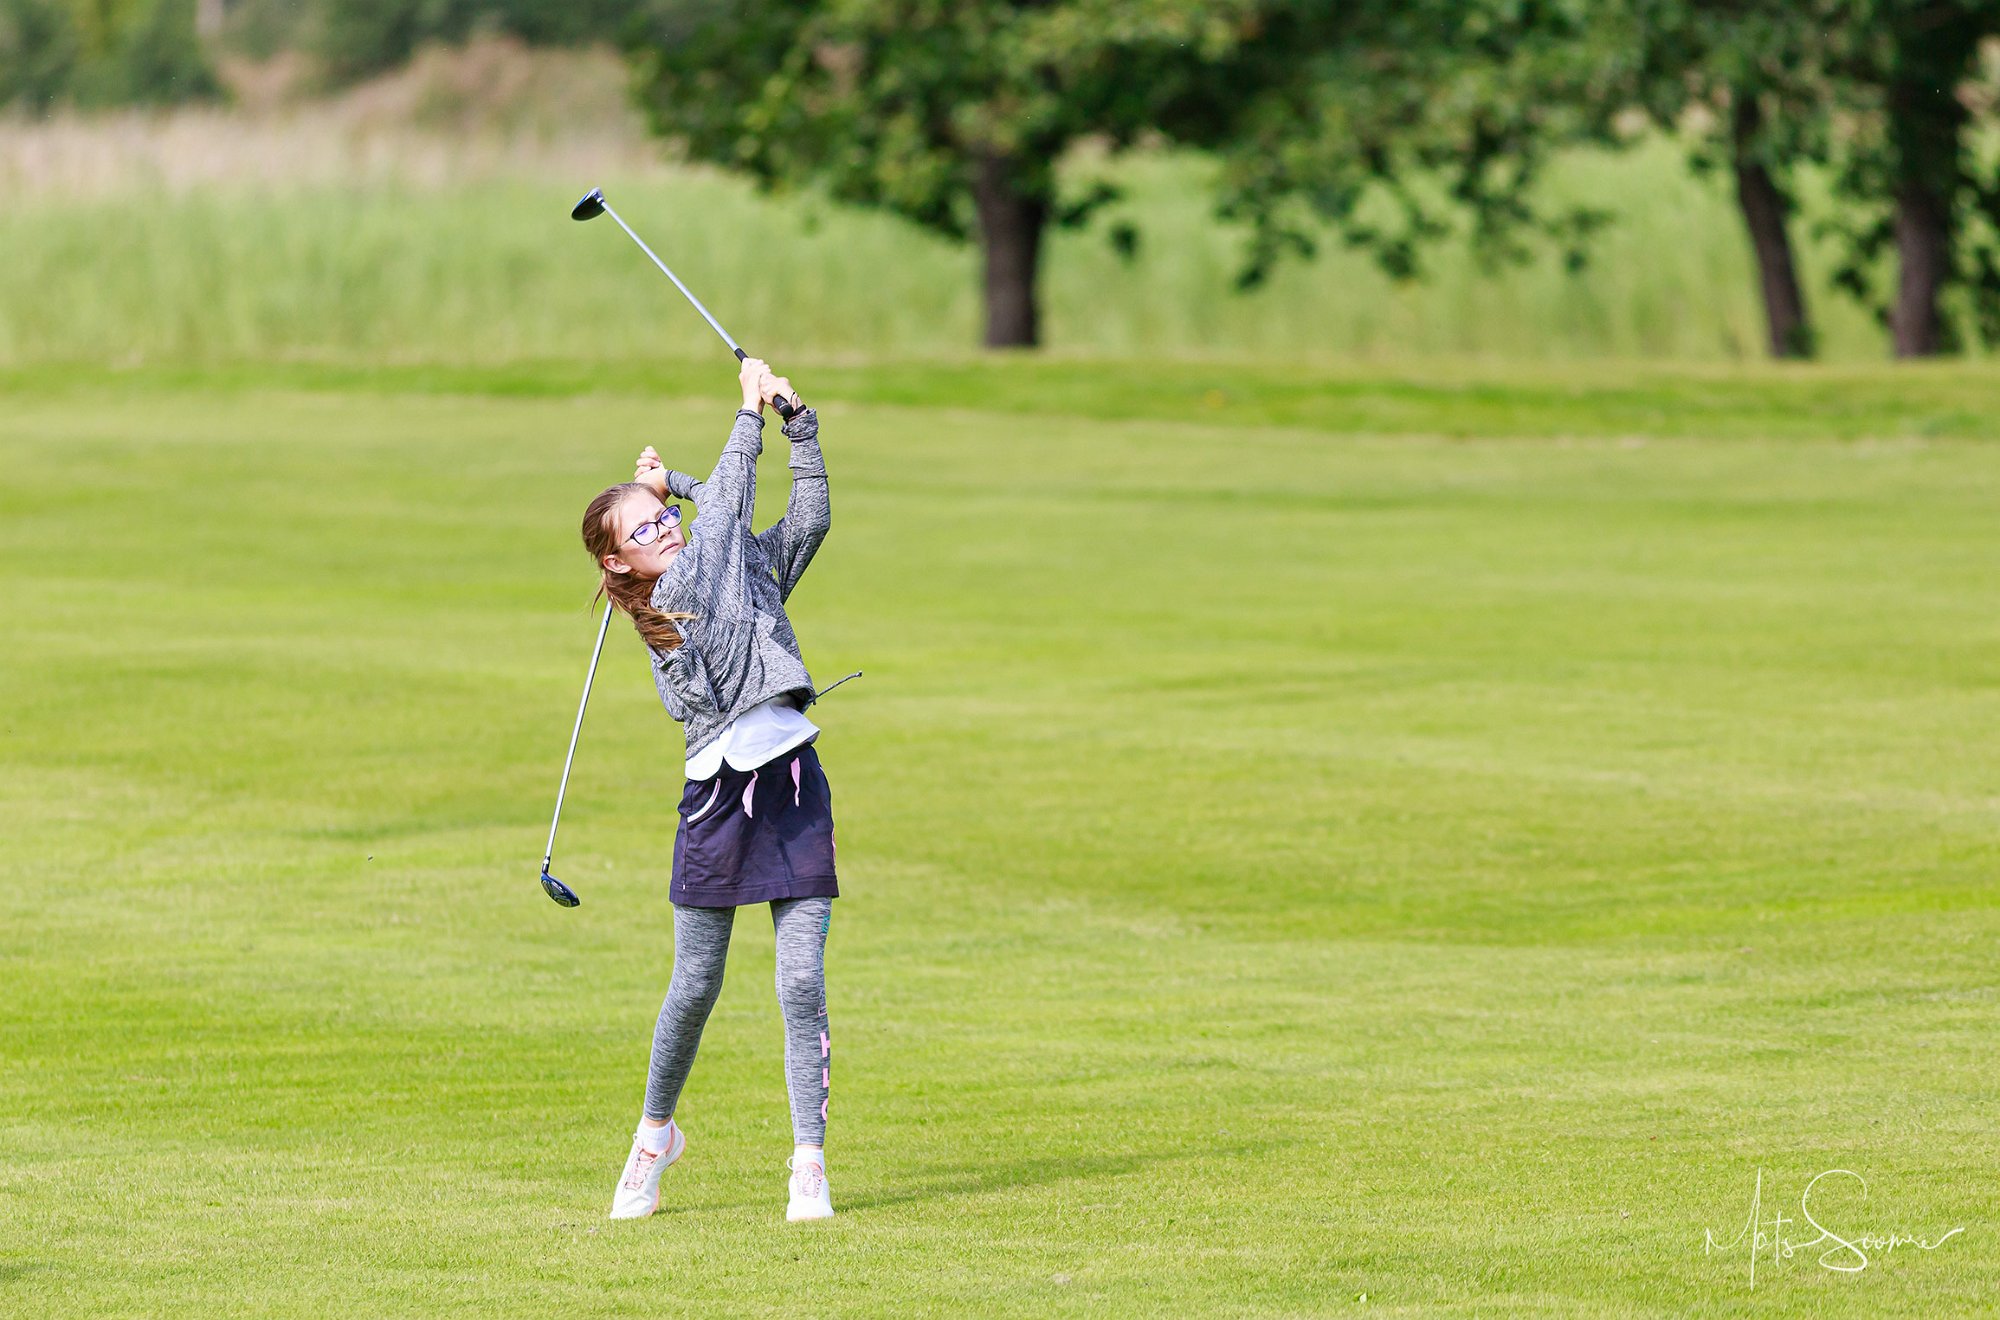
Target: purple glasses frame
{"x":654,"y":528}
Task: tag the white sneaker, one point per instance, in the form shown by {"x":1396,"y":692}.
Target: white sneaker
{"x":638,"y":1192}
{"x":810,"y":1197}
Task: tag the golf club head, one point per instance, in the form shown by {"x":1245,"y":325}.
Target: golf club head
{"x":559,"y":891}
{"x":589,"y":208}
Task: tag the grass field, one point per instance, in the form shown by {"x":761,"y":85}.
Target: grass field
{"x":1412,"y":843}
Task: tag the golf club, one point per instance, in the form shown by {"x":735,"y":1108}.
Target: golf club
{"x":553,"y":887}
{"x":593,"y":205}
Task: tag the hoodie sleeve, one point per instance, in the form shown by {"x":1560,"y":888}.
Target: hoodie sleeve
{"x":730,"y":493}
{"x":733,"y":483}
{"x":789,"y":543}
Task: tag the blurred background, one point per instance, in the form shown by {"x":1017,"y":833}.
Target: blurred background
{"x":210,"y":181}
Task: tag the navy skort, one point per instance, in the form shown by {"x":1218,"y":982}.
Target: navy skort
{"x":749,"y":836}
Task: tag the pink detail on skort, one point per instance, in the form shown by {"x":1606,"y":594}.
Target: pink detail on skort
{"x":795,"y":781}
{"x":748,"y":789}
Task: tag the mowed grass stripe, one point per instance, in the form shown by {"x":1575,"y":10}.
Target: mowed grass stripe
{"x":1465,"y":397}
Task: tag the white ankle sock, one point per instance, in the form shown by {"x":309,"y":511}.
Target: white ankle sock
{"x":656,"y":1139}
{"x":801,"y":1154}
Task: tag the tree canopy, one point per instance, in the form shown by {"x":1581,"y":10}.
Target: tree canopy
{"x":101,"y":52}
{"x":952,"y":115}
{"x":955,"y":115}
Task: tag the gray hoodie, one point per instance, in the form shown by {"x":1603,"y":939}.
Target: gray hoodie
{"x":739,"y":647}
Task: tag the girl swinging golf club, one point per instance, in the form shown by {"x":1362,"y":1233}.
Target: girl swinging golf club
{"x":756,"y":819}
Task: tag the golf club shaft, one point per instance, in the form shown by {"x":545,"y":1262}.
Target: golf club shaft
{"x":713,"y":323}
{"x":785,"y":408}
{"x":589,"y":678}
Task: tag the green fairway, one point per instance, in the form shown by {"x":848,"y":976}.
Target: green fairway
{"x":1389,"y":844}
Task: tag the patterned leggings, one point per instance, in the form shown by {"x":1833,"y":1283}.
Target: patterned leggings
{"x":701,"y":946}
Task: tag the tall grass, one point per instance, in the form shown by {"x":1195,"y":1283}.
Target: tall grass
{"x":212,"y":237}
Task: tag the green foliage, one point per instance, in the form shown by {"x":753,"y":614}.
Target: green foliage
{"x":1322,"y":115}
{"x":1742,"y":87}
{"x":357,"y":38}
{"x":893,"y":103}
{"x":1699,"y":55}
{"x":124,"y":52}
{"x":38,"y":52}
{"x":1875,"y":90}
{"x":1395,"y":122}
{"x":263,"y":29}
{"x":155,"y":59}
{"x":1901,"y":67}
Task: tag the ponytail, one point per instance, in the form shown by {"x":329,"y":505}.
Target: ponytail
{"x":635,"y":598}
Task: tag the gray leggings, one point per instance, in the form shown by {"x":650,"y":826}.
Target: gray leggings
{"x":701,"y":945}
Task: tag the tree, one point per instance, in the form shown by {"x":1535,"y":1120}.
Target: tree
{"x":38,"y":52}
{"x":1390,"y":122}
{"x":950,"y":114}
{"x":1907,"y":162}
{"x":101,"y":52}
{"x":1873,"y":89}
{"x":1745,"y":83}
{"x":955,"y":114}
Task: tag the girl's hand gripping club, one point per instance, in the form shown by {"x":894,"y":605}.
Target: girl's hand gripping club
{"x":761,"y":386}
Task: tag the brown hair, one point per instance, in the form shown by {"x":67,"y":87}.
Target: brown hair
{"x":629,"y":593}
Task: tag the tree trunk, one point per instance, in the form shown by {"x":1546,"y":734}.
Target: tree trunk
{"x":1923,"y":254}
{"x":1010,"y":230}
{"x":1933,"y":51}
{"x":1765,"y":211}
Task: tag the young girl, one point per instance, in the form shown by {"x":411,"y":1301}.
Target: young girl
{"x":756,"y":818}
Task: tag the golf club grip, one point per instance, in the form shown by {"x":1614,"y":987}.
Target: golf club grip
{"x":785,"y":410}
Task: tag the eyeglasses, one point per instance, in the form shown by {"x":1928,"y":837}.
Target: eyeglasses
{"x":654,"y":528}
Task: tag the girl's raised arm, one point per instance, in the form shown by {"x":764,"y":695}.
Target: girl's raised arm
{"x":731,"y":490}
{"x":730,"y":493}
{"x":789,"y":543}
